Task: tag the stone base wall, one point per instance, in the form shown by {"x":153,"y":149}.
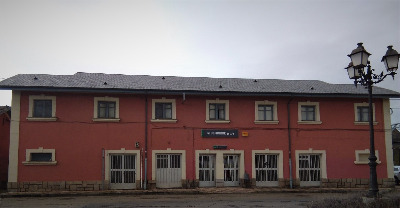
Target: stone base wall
{"x":45,"y":186}
{"x":356,"y":183}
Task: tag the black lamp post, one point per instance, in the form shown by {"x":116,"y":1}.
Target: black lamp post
{"x":356,"y":71}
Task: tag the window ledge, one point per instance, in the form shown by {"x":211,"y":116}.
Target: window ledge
{"x":106,"y":119}
{"x":41,"y":119}
{"x":266,"y":122}
{"x":39,"y":163}
{"x":218,"y":121}
{"x":164,"y":120}
{"x":309,"y":122}
{"x":365,"y":163}
{"x":363,"y":123}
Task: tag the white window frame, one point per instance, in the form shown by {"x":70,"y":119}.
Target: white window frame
{"x":274,"y":112}
{"x":32,"y":98}
{"x":107,"y":99}
{"x":107,"y":164}
{"x":365,"y":152}
{"x":163,"y":100}
{"x":219,"y":162}
{"x":311,"y":151}
{"x":28,"y":153}
{"x":168,"y":151}
{"x":217,"y":101}
{"x":267,"y":151}
{"x":364,"y":104}
{"x":317,"y":113}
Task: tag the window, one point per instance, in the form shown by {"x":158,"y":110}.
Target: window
{"x":310,"y":167}
{"x":266,"y":112}
{"x":163,"y":110}
{"x":42,"y":108}
{"x":362,"y":113}
{"x":267,"y":167}
{"x":308,"y":113}
{"x":363,"y":155}
{"x":106,"y":109}
{"x":361,"y":116}
{"x":40,"y":156}
{"x":217,"y":111}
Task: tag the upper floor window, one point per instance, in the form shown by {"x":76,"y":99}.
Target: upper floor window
{"x":163,"y":110}
{"x":308,"y":113}
{"x":106,"y":109}
{"x":217,"y":111}
{"x":42,"y":108}
{"x":266,"y":112}
{"x":361,"y":116}
{"x":362,"y":113}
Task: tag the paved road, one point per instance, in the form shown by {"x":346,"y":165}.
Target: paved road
{"x":203,"y":200}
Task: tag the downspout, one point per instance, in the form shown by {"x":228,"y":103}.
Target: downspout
{"x":145,"y":143}
{"x":102,"y":168}
{"x":290,"y":145}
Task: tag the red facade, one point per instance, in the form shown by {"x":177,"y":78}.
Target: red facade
{"x":79,"y":141}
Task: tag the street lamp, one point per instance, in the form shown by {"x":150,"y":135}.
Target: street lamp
{"x":355,"y":69}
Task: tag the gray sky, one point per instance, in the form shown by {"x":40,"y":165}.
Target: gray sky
{"x":272,"y":39}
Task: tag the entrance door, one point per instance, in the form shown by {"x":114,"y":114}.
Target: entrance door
{"x":206,"y":170}
{"x":231,"y":170}
{"x":168,"y":171}
{"x":266,"y":169}
{"x":123,"y":171}
{"x":310,"y":169}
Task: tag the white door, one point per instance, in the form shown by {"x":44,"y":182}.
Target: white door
{"x":310,"y":169}
{"x":168,"y":171}
{"x":207,"y":170}
{"x":231,"y":170}
{"x":266,"y":169}
{"x":123,"y":171}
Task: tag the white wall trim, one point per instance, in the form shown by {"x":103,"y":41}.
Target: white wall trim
{"x":388,"y":137}
{"x":14,"y":136}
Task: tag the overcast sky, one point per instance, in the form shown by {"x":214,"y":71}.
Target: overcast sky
{"x":271,"y":39}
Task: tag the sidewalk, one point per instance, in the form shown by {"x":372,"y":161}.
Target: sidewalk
{"x":225,"y":190}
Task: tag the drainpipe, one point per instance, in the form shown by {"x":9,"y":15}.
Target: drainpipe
{"x":290,"y":145}
{"x":145,"y":143}
{"x":102,"y":168}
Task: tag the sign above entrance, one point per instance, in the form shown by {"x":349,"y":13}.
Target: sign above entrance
{"x":219,"y":133}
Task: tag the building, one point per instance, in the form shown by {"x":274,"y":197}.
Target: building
{"x":5,"y":116}
{"x":100,"y":131}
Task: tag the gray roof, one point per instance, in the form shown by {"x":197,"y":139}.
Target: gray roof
{"x":118,"y":83}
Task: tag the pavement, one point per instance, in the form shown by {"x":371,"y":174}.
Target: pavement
{"x":212,"y":190}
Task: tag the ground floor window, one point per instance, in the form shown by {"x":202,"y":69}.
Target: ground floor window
{"x":310,"y":169}
{"x":231,"y":170}
{"x":207,"y":170}
{"x":266,"y":166}
{"x":122,"y":171}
